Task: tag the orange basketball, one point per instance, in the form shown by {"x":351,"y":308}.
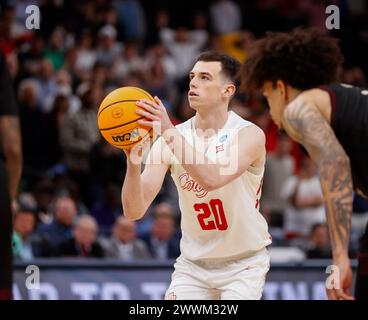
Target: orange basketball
{"x":117,"y":120}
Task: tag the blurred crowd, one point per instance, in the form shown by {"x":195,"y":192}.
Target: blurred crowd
{"x":69,"y":202}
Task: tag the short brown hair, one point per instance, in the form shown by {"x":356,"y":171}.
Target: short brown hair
{"x":229,"y":65}
{"x":303,"y":58}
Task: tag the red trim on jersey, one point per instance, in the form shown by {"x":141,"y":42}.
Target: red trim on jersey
{"x":259,"y":188}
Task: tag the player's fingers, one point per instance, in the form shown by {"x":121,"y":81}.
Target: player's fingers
{"x":145,"y":123}
{"x":331,"y":295}
{"x":146,"y":107}
{"x":159,"y":102}
{"x":340,"y":295}
{"x":151,"y":103}
{"x":146,"y":114}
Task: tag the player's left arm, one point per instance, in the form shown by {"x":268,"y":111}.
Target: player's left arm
{"x":304,"y":123}
{"x":246,"y":149}
{"x":12,"y":148}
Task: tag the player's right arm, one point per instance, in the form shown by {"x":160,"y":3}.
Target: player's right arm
{"x":304,"y":123}
{"x":140,"y":189}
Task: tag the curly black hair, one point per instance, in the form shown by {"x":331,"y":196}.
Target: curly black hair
{"x":303,"y":58}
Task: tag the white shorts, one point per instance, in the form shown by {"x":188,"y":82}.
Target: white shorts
{"x":240,"y":279}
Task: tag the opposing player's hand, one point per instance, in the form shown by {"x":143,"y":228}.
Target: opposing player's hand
{"x":156,"y":112}
{"x":346,"y":276}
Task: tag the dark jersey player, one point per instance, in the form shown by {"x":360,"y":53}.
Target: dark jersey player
{"x":298,"y":73}
{"x":10,"y":170}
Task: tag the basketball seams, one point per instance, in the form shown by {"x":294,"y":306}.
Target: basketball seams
{"x":138,"y":89}
{"x":111,"y":104}
{"x":122,"y":125}
{"x":128,"y":98}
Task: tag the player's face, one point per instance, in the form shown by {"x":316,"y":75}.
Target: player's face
{"x":276,"y":100}
{"x":207,"y":85}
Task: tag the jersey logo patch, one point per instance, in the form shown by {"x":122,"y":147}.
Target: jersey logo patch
{"x":223,"y":138}
{"x":220,"y":148}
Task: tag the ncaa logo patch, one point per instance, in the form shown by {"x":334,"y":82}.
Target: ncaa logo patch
{"x":223,"y":138}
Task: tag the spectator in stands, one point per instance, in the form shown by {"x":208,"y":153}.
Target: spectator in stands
{"x":30,"y":244}
{"x":131,"y":19}
{"x":162,"y":241}
{"x":279,"y":167}
{"x":129,"y":62}
{"x":319,"y":242}
{"x":44,"y":195}
{"x":107,"y":164}
{"x":83,"y":243}
{"x":46,"y":82}
{"x":30,"y":60}
{"x":64,"y":87}
{"x":106,"y":211}
{"x":226,"y":17}
{"x":305,"y":201}
{"x":124,"y":244}
{"x":54,"y":119}
{"x":17,"y":29}
{"x":159,"y":54}
{"x":33,"y":128}
{"x":184,"y":46}
{"x":60,"y":229}
{"x":78,"y":134}
{"x":315,"y":244}
{"x":86,"y":56}
{"x":55,"y":50}
{"x":108,"y":49}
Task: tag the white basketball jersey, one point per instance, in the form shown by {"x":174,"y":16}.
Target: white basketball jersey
{"x":225,"y":222}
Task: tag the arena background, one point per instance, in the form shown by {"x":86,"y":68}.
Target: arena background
{"x":83,"y":50}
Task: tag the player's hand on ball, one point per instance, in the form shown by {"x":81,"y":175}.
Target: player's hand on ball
{"x":156,"y":112}
{"x":136,"y":153}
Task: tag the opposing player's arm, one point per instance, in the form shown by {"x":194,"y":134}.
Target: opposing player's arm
{"x":304,"y":123}
{"x":140,"y":189}
{"x":12,"y":148}
{"x":246,"y":149}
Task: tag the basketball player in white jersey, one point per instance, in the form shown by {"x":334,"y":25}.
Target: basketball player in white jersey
{"x":224,"y":236}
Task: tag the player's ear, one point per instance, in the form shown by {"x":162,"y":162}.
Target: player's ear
{"x":281,"y":87}
{"x":229,"y":90}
